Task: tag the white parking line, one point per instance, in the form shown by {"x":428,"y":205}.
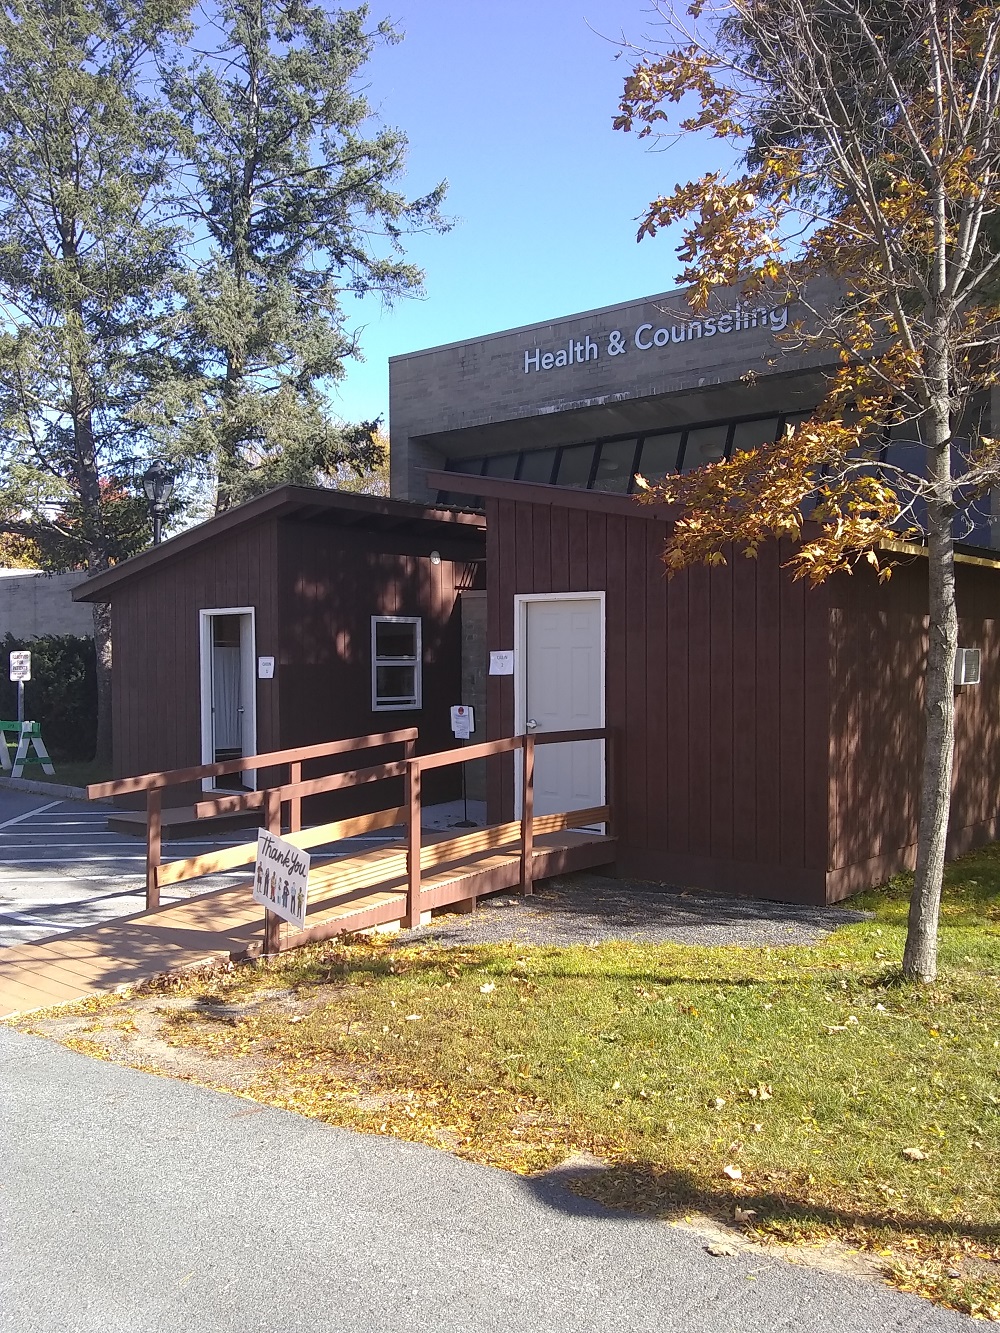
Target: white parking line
{"x":28,"y":814}
{"x":59,"y":860}
{"x":61,"y":879}
{"x":54,"y":822}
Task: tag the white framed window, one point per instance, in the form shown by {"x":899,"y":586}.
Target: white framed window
{"x":396,"y":663}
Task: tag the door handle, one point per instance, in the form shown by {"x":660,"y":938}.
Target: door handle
{"x":531,"y":724}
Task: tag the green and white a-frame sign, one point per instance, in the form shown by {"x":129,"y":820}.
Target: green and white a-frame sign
{"x":29,"y":734}
{"x":29,"y":737}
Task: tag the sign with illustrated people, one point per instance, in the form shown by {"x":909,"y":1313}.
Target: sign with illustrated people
{"x":281,"y":878}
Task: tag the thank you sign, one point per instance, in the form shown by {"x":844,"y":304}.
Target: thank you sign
{"x":281,"y":879}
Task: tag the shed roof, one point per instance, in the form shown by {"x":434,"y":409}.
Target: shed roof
{"x":568,"y":497}
{"x":538,"y":492}
{"x":295,"y":502}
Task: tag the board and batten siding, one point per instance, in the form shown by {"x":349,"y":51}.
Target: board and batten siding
{"x":878,"y":655}
{"x":332,"y":581}
{"x":157,"y":653}
{"x":717,"y":686}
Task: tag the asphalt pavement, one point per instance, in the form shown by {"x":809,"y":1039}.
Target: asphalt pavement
{"x":130,"y":1203}
{"x":61,"y":868}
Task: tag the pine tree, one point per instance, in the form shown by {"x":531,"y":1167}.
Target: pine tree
{"x":84,"y":263}
{"x":292,"y":203}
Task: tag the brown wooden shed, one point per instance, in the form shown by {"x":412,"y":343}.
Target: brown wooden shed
{"x":302,"y":616}
{"x":770,"y":733}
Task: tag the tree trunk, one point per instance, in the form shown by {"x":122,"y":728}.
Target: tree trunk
{"x":920,"y":953}
{"x":102,"y":644}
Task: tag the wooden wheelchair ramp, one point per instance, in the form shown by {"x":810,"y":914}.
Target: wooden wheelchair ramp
{"x":399,"y":882}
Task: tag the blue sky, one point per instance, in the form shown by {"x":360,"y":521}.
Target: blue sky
{"x":513,"y":103}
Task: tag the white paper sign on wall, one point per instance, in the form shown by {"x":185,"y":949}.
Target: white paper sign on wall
{"x":20,"y":665}
{"x":265,"y":668}
{"x":281,"y":878}
{"x":502,"y":662}
{"x":463,"y":721}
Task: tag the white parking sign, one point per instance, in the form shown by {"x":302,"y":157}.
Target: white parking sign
{"x":20,"y":665}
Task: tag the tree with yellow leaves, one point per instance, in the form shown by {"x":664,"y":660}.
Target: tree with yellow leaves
{"x":867,"y":140}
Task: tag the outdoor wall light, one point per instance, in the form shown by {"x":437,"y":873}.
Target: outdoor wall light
{"x":158,"y":483}
{"x":435,"y":557}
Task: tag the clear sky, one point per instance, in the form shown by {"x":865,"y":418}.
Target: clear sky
{"x":512,"y":102}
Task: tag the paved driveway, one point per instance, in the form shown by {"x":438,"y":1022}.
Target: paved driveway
{"x":136,"y":1204}
{"x":60,"y":868}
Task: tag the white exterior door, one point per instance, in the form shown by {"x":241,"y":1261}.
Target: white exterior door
{"x":228,"y":692}
{"x":562,"y":689}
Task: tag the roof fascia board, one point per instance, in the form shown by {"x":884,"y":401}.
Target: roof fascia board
{"x":531,"y":492}
{"x":283,"y":502}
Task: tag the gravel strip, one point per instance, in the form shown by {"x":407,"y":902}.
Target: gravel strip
{"x":590,"y":909}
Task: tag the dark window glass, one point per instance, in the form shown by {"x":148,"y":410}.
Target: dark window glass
{"x":794,"y":419}
{"x":706,"y":444}
{"x":503,"y":465}
{"x":658,"y":455}
{"x":537,"y":465}
{"x":395,"y":685}
{"x":226,"y":631}
{"x":396,"y":638}
{"x":395,"y":662}
{"x":905,"y":450}
{"x":471,"y":466}
{"x":614,"y":466}
{"x":752,"y":434}
{"x":574,"y":465}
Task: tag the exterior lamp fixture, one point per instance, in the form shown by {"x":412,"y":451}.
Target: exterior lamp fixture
{"x":435,"y":557}
{"x":158,"y":483}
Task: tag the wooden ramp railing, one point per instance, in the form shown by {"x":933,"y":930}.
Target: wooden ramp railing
{"x":268,"y":798}
{"x":419,"y":856}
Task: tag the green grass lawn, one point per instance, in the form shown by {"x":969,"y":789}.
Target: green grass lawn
{"x":70,"y":773}
{"x":808,"y":1088}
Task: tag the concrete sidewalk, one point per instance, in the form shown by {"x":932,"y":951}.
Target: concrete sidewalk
{"x":136,"y":1204}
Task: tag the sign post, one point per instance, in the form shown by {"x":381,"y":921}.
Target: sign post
{"x":281,"y":878}
{"x":463,"y":724}
{"x":20,"y":671}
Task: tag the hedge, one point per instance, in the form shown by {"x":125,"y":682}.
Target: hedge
{"x":61,"y":695}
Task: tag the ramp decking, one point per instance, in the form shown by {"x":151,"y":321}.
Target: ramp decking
{"x":357,"y":891}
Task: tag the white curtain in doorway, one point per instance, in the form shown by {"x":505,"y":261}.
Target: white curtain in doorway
{"x":227,"y":719}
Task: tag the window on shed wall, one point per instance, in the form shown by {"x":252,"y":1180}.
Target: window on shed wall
{"x":396,"y":663}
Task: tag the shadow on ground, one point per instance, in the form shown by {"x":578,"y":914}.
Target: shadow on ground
{"x":578,"y":1186}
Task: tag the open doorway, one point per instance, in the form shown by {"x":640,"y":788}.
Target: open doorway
{"x":228,"y":693}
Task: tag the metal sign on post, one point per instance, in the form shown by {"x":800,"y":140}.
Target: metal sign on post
{"x":281,"y":878}
{"x":462,"y":721}
{"x":20,"y":665}
{"x":20,"y":671}
{"x":463,"y":724}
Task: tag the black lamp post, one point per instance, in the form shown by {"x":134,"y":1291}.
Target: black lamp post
{"x":158,"y":483}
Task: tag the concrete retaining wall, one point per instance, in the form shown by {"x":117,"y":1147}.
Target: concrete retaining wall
{"x":34,"y":604}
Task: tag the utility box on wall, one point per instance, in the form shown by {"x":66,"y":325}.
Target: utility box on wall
{"x":967,"y":666}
